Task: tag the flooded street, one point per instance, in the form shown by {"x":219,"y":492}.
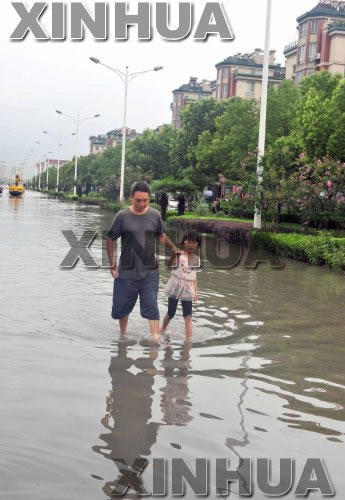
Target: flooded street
{"x":264,"y":377}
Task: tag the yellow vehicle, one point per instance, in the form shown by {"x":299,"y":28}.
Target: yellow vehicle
{"x":16,"y":189}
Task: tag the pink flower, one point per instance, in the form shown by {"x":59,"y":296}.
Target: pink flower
{"x":329,"y":184}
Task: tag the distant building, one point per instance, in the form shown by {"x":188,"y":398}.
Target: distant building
{"x":187,"y":93}
{"x":321,"y":41}
{"x":241,"y":75}
{"x":111,"y":139}
{"x":98,"y":143}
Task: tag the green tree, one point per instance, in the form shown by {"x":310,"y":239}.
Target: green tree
{"x":281,"y":110}
{"x":151,"y":151}
{"x":196,"y":118}
{"x":234,"y":140}
{"x":336,"y":143}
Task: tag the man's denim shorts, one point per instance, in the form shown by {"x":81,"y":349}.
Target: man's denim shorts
{"x":126,"y":293}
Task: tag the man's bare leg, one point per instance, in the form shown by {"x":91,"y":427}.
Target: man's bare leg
{"x":154,"y":327}
{"x":123,"y":324}
{"x":188,"y":327}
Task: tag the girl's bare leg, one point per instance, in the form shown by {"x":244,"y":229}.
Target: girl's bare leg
{"x":165,"y":324}
{"x":188,"y":327}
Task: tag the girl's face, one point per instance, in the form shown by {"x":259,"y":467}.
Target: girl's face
{"x":190,"y":246}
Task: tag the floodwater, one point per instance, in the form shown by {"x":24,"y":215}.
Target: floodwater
{"x":264,"y":377}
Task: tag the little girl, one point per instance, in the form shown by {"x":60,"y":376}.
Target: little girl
{"x":183,"y":283}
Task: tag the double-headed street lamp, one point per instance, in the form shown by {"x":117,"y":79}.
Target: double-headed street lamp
{"x":58,"y":136}
{"x":77,"y":121}
{"x":126,"y":78}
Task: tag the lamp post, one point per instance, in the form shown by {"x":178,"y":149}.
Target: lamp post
{"x":77,"y":121}
{"x":47,"y":168}
{"x":58,"y":155}
{"x":126,"y":79}
{"x":263,"y":112}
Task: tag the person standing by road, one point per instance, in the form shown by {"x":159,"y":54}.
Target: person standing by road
{"x":137,"y":274}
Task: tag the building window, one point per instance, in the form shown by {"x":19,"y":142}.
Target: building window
{"x":225,"y":90}
{"x":311,"y":51}
{"x":225,"y":72}
{"x":314,"y":25}
{"x":299,"y":76}
{"x":218,"y":92}
{"x":250,"y":94}
{"x":301,"y":55}
{"x":310,"y":71}
{"x":219,"y":74}
{"x":303,"y":29}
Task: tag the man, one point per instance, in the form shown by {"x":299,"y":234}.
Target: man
{"x":137,"y":274}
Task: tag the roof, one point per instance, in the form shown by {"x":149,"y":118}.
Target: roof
{"x":196,"y":89}
{"x":244,"y":61}
{"x":322,"y":10}
{"x":98,"y":140}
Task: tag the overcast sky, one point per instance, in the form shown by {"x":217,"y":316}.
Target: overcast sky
{"x":39,"y":77}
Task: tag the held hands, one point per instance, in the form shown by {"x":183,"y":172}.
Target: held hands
{"x":114,"y":271}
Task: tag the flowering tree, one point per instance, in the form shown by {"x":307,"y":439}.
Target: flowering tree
{"x":320,"y":191}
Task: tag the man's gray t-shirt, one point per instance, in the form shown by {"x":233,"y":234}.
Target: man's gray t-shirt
{"x":138,"y":242}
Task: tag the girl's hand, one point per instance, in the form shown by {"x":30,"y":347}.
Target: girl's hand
{"x":196,"y":297}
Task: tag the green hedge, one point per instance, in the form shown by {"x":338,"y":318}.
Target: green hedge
{"x":313,"y":249}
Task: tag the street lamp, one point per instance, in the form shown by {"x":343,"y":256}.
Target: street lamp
{"x":126,"y":78}
{"x":76,"y":121}
{"x":263,"y":112}
{"x":47,"y":169}
{"x":58,"y":155}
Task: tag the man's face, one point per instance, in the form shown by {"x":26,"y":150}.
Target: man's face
{"x":140,"y":201}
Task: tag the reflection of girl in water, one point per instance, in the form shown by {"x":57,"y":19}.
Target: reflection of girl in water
{"x":175,"y":402}
{"x":183,"y":284}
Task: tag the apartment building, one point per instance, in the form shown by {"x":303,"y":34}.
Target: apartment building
{"x":321,"y":41}
{"x":241,"y":75}
{"x":111,"y":139}
{"x":97,"y":144}
{"x":187,"y":93}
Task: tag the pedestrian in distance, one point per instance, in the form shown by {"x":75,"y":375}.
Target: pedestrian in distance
{"x":164,"y":202}
{"x":138,"y":226}
{"x":183,"y":284}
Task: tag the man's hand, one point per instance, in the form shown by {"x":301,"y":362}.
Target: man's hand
{"x":114,"y":271}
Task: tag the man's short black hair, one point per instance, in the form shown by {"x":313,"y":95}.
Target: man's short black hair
{"x":140,"y":186}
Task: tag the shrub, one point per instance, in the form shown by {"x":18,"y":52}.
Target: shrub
{"x":202,"y":208}
{"x":314,"y":249}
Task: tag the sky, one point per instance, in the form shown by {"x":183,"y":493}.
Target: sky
{"x":39,"y":77}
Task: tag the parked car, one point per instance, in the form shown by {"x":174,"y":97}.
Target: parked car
{"x":1,"y":189}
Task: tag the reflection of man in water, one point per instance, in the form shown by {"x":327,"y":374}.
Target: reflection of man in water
{"x":129,"y":405}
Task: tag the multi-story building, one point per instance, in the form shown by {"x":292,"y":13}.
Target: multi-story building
{"x":187,"y":93}
{"x":241,"y":75}
{"x":97,"y":143}
{"x":321,"y":41}
{"x":100,"y":143}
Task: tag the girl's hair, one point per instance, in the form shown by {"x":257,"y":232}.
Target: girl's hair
{"x":191,"y":235}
